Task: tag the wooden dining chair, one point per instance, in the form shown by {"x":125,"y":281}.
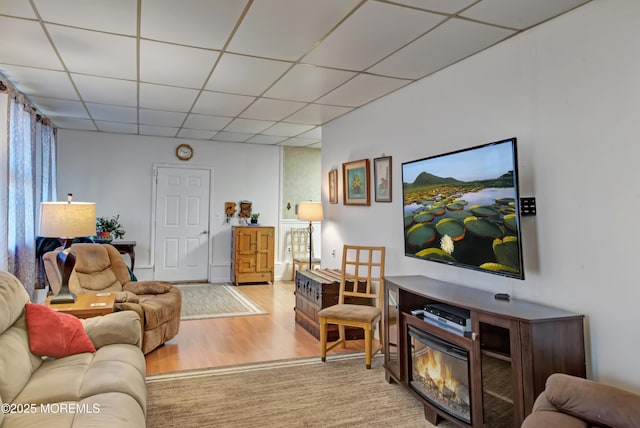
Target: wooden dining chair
{"x":359,"y":301}
{"x":300,"y":247}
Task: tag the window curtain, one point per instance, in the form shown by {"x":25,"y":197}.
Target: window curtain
{"x":31,"y":144}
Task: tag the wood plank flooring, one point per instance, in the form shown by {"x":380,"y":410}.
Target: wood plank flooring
{"x":217,"y":342}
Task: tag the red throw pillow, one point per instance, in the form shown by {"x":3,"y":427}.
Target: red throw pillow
{"x":55,"y":334}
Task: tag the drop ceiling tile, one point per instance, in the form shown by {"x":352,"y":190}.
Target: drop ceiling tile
{"x":444,"y":6}
{"x":106,"y":91}
{"x":266,"y":139}
{"x":307,"y":83}
{"x":315,"y":133}
{"x":269,"y":109}
{"x":113,"y":16}
{"x":196,"y":134}
{"x":160,"y":97}
{"x":158,"y":131}
{"x":206,"y":24}
{"x":206,"y":122}
{"x":317,"y":145}
{"x":34,"y":81}
{"x":20,"y":8}
{"x":118,"y":128}
{"x":298,"y":142}
{"x":234,"y":137}
{"x":317,"y":114}
{"x":519,"y":14}
{"x":99,"y":54}
{"x":175,"y":65}
{"x":248,"y":126}
{"x":287,"y":129}
{"x":371,"y":34}
{"x":110,"y":113}
{"x":287,"y":29}
{"x":219,"y":104}
{"x":161,"y":118}
{"x":72,"y":123}
{"x":454,"y":40}
{"x":57,"y":107}
{"x":32,"y":49}
{"x":362,"y":89}
{"x":245,"y":75}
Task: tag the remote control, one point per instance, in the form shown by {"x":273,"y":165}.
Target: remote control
{"x":501,"y":296}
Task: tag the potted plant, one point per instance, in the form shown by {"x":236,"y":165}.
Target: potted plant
{"x":254,"y":218}
{"x":108,"y":228}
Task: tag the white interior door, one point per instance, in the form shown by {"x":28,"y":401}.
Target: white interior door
{"x":182,"y":224}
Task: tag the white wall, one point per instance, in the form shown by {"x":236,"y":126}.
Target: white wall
{"x":116,"y":172}
{"x":569,"y":90}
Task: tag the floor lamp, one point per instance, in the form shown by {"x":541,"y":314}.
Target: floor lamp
{"x":310,"y":211}
{"x":66,"y":220}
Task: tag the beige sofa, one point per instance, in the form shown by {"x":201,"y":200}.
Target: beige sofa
{"x":102,"y":389}
{"x":573,"y":402}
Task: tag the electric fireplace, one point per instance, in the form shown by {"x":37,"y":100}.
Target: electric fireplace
{"x":439,"y":372}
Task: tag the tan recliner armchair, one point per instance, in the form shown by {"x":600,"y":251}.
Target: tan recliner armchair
{"x":100,"y":268}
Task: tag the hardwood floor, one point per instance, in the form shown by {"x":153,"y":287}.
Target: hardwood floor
{"x":219,"y":342}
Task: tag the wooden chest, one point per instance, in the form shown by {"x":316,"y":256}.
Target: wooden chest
{"x":316,"y":290}
{"x":252,"y":254}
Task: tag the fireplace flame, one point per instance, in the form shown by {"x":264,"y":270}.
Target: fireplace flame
{"x":430,"y":366}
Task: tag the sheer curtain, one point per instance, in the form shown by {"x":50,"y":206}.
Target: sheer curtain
{"x":27,"y":185}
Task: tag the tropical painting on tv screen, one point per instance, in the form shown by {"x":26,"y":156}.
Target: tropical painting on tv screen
{"x":460,"y":208}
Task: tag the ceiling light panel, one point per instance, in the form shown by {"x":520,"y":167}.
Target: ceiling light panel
{"x":370,"y":34}
{"x":287,"y":29}
{"x":99,"y":54}
{"x":33,"y":48}
{"x":362,"y":89}
{"x":202,"y":23}
{"x":245,"y":75}
{"x":307,"y":83}
{"x":175,"y":65}
{"x":454,"y":40}
{"x":113,"y":16}
{"x":269,"y":109}
{"x":107,"y":91}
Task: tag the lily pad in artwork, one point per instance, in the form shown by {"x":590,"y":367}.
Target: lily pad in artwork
{"x":420,"y":235}
{"x":497,"y":267}
{"x":484,"y":211}
{"x":435,"y":254}
{"x":483,"y":228}
{"x":451,"y":227}
{"x":507,"y":251}
{"x":423,"y":217}
{"x":510,"y":221}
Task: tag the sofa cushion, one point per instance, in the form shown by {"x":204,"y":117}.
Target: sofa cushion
{"x":13,"y":297}
{"x":55,"y":334}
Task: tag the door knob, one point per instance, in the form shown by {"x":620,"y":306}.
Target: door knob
{"x":204,"y":232}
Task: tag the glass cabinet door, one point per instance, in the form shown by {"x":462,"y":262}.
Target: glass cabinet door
{"x":391,"y":321}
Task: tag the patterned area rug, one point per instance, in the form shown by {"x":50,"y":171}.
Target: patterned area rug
{"x":215,"y":301}
{"x":293,"y":393}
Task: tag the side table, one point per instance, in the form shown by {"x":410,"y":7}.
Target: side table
{"x":86,"y":305}
{"x":126,"y":247}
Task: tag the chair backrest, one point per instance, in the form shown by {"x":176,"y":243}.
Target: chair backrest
{"x":362,"y":272}
{"x":300,"y":243}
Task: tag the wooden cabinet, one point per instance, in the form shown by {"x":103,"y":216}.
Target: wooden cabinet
{"x":512,"y":346}
{"x":252,"y":254}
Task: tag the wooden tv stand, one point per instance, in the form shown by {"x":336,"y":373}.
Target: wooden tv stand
{"x":513,"y":346}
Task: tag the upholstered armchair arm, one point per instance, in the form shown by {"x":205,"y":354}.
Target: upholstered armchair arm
{"x":147,"y":287}
{"x":126,"y":297}
{"x":593,"y":402}
{"x":118,"y":327}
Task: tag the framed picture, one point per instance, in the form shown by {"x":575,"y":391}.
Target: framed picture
{"x":333,"y":186}
{"x":355,"y":180}
{"x":382,"y":178}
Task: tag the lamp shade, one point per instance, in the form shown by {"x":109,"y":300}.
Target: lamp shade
{"x":310,"y":211}
{"x":67,"y":219}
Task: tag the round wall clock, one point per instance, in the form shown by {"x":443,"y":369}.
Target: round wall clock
{"x":184,"y":152}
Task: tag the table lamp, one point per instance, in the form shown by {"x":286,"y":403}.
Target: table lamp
{"x":310,"y":211}
{"x":66,"y":220}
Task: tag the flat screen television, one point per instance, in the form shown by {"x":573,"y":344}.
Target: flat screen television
{"x":461,"y":208}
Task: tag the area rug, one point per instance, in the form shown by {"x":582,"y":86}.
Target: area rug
{"x":293,"y":393}
{"x":201,"y":301}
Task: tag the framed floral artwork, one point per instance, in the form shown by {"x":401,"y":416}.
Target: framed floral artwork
{"x":355,"y":180}
{"x":382,"y":178}
{"x":333,"y":186}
